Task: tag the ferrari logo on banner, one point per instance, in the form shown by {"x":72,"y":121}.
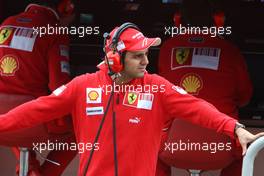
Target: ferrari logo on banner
{"x":182,"y":55}
{"x":4,"y":34}
{"x":196,"y":57}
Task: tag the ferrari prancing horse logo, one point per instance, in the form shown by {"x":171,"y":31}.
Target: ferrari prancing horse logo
{"x":182,"y":55}
{"x":4,"y":34}
{"x":131,"y":98}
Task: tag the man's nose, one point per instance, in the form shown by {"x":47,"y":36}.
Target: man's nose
{"x":145,"y":60}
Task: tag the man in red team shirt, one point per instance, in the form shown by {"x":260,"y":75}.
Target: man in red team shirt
{"x":132,"y":105}
{"x":232,"y":88}
{"x":32,"y":66}
{"x":207,"y":67}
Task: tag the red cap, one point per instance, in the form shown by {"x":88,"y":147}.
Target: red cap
{"x":132,"y":40}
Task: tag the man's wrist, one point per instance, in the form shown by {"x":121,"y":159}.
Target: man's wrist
{"x":237,"y":126}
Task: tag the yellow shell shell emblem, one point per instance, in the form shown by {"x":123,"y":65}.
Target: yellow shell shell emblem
{"x":182,"y":55}
{"x":4,"y":34}
{"x":192,"y":83}
{"x":8,"y":65}
{"x":93,"y":95}
{"x":131,"y":98}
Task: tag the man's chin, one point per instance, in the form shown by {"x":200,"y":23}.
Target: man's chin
{"x":136,"y":75}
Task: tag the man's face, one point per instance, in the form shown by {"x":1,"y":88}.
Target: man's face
{"x":135,"y":63}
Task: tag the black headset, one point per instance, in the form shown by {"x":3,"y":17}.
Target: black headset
{"x":114,"y":57}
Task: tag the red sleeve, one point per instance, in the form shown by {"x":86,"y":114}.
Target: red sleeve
{"x":179,"y":104}
{"x":58,"y":62}
{"x":243,"y":82}
{"x":43,"y":109}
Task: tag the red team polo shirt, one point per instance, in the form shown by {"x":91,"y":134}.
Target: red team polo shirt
{"x":140,"y":117}
{"x":30,"y":64}
{"x":209,"y":68}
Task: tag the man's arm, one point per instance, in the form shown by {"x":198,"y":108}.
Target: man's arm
{"x":181,"y":105}
{"x":43,"y":109}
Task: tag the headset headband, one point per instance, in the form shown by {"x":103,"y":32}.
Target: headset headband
{"x":119,"y":31}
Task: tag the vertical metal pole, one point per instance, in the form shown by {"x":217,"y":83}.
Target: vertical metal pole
{"x":194,"y":172}
{"x":249,"y":158}
{"x":23,"y":163}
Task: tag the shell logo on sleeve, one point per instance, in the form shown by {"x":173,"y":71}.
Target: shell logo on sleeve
{"x":192,"y":83}
{"x":8,"y":65}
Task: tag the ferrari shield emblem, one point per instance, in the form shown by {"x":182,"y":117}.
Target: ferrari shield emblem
{"x":182,"y":55}
{"x":139,"y":100}
{"x":4,"y":34}
{"x":131,"y":98}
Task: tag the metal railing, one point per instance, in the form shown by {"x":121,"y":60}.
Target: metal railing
{"x":249,"y":158}
{"x":23,"y":169}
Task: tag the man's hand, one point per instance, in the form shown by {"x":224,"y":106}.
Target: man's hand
{"x":246,"y":137}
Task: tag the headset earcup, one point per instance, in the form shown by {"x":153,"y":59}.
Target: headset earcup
{"x":114,"y":57}
{"x":115,"y":62}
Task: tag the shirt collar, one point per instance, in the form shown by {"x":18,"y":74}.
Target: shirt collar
{"x":43,"y":10}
